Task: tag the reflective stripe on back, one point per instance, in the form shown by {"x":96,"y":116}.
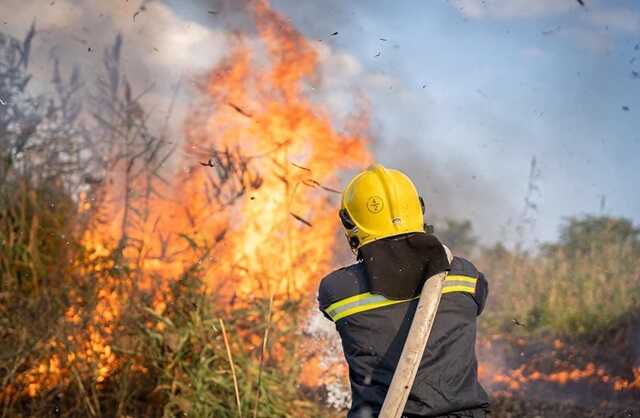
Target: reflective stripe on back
{"x":369,"y":301}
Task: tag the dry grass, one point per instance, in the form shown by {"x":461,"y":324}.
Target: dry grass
{"x":575,"y":288}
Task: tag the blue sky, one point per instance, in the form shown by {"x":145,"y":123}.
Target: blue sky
{"x":504,"y":81}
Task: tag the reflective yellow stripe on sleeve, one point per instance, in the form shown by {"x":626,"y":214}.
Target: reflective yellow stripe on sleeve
{"x":369,"y":301}
{"x":459,"y":283}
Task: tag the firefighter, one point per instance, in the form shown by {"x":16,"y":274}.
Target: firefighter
{"x":372,"y":302}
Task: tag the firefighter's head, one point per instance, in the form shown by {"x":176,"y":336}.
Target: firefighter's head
{"x":380,"y":203}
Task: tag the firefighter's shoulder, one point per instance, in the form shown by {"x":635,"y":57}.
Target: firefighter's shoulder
{"x":342,"y":283}
{"x":464,"y":267}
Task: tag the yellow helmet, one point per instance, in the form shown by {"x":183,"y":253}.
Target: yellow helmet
{"x":380,"y":203}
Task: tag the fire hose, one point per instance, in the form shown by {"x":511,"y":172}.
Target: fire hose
{"x":414,"y":346}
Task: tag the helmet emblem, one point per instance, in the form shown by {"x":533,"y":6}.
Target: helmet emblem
{"x":375,"y":204}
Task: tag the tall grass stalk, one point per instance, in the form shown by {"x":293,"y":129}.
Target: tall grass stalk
{"x":263,"y":350}
{"x":232,"y":367}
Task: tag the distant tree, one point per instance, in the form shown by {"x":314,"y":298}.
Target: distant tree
{"x":497,"y":251}
{"x":591,"y":234}
{"x":458,"y":235}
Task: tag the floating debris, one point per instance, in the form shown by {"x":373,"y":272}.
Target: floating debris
{"x":300,"y":219}
{"x":310,"y":183}
{"x":208,"y":164}
{"x":240,"y":110}
{"x":212,"y":12}
{"x":581,"y":2}
{"x":140,"y":10}
{"x":314,"y":183}
{"x":518,"y":323}
{"x":551,"y":31}
{"x":635,"y":74}
{"x":300,"y":167}
{"x":3,"y":102}
{"x":377,"y":55}
{"x":329,"y":189}
{"x":383,"y":39}
{"x":334,"y":34}
{"x":626,"y":108}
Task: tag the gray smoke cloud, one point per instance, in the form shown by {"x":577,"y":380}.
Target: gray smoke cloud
{"x":161,"y":49}
{"x":451,"y":189}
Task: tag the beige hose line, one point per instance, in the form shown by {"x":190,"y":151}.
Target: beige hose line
{"x":414,"y":346}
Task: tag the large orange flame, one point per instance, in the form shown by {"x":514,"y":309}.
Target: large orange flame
{"x":273,"y":225}
{"x":286,"y":227}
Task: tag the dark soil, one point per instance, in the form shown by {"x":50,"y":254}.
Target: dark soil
{"x":615,"y":352}
{"x":587,"y":371}
{"x":520,"y":408}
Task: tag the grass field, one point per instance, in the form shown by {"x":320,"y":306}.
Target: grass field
{"x":579,"y":286}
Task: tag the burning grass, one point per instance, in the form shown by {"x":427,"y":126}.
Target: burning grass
{"x":170,"y":364}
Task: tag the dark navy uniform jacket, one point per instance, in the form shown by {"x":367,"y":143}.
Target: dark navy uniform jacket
{"x":373,"y":330}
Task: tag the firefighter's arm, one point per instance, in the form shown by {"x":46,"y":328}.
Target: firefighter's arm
{"x":324,"y":297}
{"x":481,"y":292}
